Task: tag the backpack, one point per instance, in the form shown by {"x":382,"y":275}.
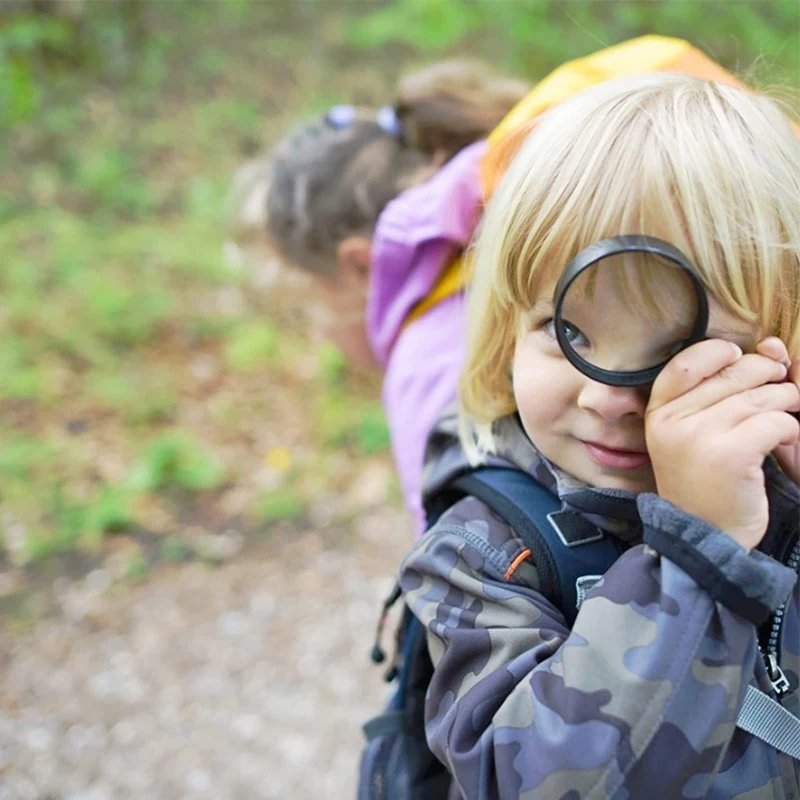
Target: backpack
{"x":570,"y":554}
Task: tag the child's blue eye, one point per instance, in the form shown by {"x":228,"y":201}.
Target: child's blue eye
{"x":574,"y":334}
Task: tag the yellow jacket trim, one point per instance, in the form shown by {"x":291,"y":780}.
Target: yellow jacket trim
{"x":452,"y":280}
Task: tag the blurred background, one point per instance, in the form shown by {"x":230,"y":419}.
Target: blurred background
{"x":198,"y":512}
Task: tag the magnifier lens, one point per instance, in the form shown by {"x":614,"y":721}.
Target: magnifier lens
{"x":624,"y":314}
{"x":630,"y":312}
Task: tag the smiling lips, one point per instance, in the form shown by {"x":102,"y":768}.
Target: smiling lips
{"x":614,"y":458}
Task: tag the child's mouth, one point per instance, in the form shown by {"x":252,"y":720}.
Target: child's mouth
{"x":616,"y":459}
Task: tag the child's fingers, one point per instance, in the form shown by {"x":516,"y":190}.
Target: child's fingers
{"x":744,"y":375}
{"x":767,"y":398}
{"x":788,"y":457}
{"x":774,"y":348}
{"x":690,"y":368}
{"x":767,"y":431}
{"x":794,"y":372}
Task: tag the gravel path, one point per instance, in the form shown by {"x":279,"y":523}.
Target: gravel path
{"x":248,"y":680}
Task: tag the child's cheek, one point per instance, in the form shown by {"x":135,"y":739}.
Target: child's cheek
{"x":543,"y":386}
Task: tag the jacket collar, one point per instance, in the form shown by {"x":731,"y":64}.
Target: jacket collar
{"x":613,"y":510}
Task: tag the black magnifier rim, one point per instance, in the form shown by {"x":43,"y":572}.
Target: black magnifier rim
{"x":616,"y":245}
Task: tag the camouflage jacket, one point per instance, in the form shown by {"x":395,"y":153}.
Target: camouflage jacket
{"x":640,"y":698}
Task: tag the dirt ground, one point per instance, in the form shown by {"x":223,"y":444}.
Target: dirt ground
{"x":245,"y":680}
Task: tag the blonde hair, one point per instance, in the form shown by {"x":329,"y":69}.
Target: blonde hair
{"x":713,"y":169}
{"x":323,"y":183}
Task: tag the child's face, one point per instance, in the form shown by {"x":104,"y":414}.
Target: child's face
{"x":338,"y":313}
{"x":591,"y":430}
{"x":339,"y":301}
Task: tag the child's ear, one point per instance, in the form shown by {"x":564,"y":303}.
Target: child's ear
{"x":353,"y":257}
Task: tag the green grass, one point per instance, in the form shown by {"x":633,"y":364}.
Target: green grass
{"x":251,"y":345}
{"x":175,"y":460}
{"x":175,"y":550}
{"x":281,"y":505}
{"x":137,"y":568}
{"x":346,"y":421}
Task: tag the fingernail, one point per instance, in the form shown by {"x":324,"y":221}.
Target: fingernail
{"x":737,"y":351}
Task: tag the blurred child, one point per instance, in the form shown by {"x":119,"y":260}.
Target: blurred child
{"x":640,"y":698}
{"x":375,"y":206}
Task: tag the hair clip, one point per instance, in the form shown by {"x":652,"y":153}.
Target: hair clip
{"x":389,"y":122}
{"x":340,"y":117}
{"x":343,"y":116}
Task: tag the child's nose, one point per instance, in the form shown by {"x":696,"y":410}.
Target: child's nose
{"x":612,"y":402}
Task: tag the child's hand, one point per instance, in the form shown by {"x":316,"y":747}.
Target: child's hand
{"x":713,"y":416}
{"x":788,"y":455}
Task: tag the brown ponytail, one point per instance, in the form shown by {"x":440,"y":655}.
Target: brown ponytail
{"x":326,"y":182}
{"x":450,"y":104}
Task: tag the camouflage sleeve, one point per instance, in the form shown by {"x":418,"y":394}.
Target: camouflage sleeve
{"x":521,"y":707}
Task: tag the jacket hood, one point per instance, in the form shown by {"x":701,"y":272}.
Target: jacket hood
{"x":416,"y":236}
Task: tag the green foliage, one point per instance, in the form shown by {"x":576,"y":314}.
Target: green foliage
{"x":373,"y":432}
{"x":429,"y":25}
{"x":346,"y":421}
{"x":175,"y":550}
{"x":21,"y":456}
{"x":537,"y":35}
{"x":39,"y":546}
{"x":143,"y":398}
{"x":226,"y":116}
{"x":335,"y":418}
{"x":122,"y":314}
{"x":111,"y":181}
{"x":280,"y":505}
{"x":251,"y":345}
{"x":73,"y":523}
{"x":205,"y":199}
{"x":21,"y":377}
{"x":175,"y":460}
{"x":23,"y":42}
{"x":110,"y":512}
{"x":332,"y":364}
{"x":137,"y":568}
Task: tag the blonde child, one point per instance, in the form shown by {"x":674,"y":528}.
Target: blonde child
{"x":696,"y":478}
{"x":374,"y":205}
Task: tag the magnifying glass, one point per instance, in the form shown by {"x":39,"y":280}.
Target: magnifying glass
{"x":625,"y":306}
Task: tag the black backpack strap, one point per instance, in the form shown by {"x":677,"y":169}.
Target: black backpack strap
{"x":566,"y":548}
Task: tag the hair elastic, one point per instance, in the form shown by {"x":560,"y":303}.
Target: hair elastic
{"x":343,"y":116}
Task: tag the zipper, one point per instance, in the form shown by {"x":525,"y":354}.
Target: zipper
{"x":777,"y":677}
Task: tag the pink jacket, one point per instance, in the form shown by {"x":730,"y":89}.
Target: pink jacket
{"x":417,"y":235}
